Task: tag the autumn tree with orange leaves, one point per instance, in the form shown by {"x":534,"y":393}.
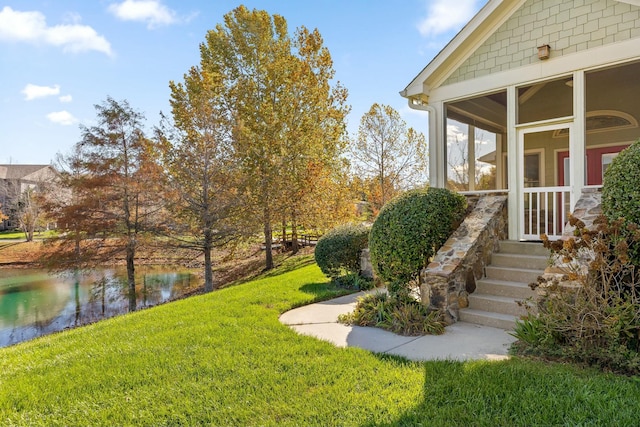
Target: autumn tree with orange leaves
{"x":387,"y":154}
{"x":288,"y":118}
{"x":113,"y":197}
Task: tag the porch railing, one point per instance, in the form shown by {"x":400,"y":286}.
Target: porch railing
{"x":546,"y":210}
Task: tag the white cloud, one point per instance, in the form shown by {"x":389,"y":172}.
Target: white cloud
{"x":154,"y":13}
{"x":32,"y":91}
{"x":455,"y":135}
{"x":63,"y":117}
{"x":31,"y":27}
{"x":446,"y":15}
{"x":66,"y":98}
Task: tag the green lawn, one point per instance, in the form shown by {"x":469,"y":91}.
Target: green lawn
{"x":225,"y":359}
{"x":19,"y":235}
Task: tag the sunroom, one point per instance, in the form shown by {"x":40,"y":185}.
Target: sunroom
{"x":537,"y":118}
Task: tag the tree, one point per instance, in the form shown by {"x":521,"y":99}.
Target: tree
{"x":2,"y":215}
{"x":28,"y":212}
{"x":115,"y":187}
{"x":27,"y":207}
{"x":203,"y":174}
{"x":314,"y":136}
{"x":285,"y":111}
{"x":396,"y":157}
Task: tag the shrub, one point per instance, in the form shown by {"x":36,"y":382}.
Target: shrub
{"x":354,"y":281}
{"x":592,"y":313}
{"x":409,"y":230}
{"x":401,"y":316}
{"x":621,"y":191}
{"x":338,"y":252}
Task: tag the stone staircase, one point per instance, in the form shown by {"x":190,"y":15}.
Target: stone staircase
{"x":506,"y":281}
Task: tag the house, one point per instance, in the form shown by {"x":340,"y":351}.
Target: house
{"x":16,"y":179}
{"x":533,"y":99}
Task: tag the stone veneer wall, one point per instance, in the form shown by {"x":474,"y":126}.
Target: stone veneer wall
{"x":587,"y":209}
{"x":366,"y":268}
{"x":446,"y":282}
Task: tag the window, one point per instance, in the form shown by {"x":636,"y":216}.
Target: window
{"x":545,"y":100}
{"x":476,"y":142}
{"x":606,"y":161}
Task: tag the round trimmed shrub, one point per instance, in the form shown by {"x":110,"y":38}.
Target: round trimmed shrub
{"x":621,"y":193}
{"x":409,"y":230}
{"x":621,"y":189}
{"x":338,"y":251}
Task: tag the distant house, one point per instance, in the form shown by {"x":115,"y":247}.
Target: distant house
{"x":533,"y":98}
{"x":15,"y":179}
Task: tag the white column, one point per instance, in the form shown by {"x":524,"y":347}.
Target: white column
{"x":500,"y":184}
{"x":439,"y":173}
{"x":513,"y":165}
{"x":471,"y":157}
{"x":433,"y":147}
{"x":577,"y":139}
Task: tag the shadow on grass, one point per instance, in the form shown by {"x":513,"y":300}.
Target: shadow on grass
{"x":284,"y":264}
{"x":396,"y":360}
{"x":288,"y":265}
{"x":518,"y":392}
{"x":323,"y":291}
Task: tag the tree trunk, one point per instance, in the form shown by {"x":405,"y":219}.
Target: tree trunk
{"x":268,"y":236}
{"x":76,"y":289}
{"x":284,"y":235}
{"x":131,"y":279}
{"x":294,"y":235}
{"x":208,"y":271}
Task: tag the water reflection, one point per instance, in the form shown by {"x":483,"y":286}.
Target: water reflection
{"x":35,"y":303}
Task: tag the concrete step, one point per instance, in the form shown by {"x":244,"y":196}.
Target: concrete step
{"x":523,"y":248}
{"x":504,"y":288}
{"x":531,"y":262}
{"x":495,"y":320}
{"x":512,"y":274}
{"x":496,"y":304}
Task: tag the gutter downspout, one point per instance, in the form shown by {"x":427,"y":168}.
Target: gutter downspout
{"x":434,"y":149}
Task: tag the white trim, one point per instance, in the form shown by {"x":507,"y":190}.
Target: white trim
{"x":545,"y":123}
{"x":541,"y":164}
{"x":505,"y":159}
{"x":471,"y":193}
{"x":577,"y":137}
{"x":513,"y":202}
{"x":592,"y":59}
{"x":463,"y":45}
{"x":608,"y":144}
{"x":556,"y":165}
{"x":471,"y":157}
{"x":521,"y":132}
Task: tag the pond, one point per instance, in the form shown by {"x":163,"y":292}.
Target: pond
{"x":35,"y":303}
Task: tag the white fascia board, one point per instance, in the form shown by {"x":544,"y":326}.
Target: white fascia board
{"x":463,"y":44}
{"x":631,"y":2}
{"x":593,"y":58}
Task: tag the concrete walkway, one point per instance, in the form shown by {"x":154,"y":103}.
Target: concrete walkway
{"x":461,"y":341}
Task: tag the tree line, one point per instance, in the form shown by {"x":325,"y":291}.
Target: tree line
{"x":256,"y":139}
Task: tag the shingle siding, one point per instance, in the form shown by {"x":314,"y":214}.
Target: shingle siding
{"x":567,"y":26}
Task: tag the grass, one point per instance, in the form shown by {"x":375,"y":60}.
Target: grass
{"x":19,"y":235}
{"x":225,"y":359}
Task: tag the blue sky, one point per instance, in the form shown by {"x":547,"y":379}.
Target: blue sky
{"x":61,"y":57}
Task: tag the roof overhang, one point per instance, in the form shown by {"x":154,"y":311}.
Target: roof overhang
{"x":461,"y":47}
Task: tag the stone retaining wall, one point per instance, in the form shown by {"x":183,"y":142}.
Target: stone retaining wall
{"x":446,"y":282}
{"x":587,"y":209}
{"x":366,"y":268}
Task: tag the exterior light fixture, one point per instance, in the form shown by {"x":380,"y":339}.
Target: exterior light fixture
{"x":544,"y":51}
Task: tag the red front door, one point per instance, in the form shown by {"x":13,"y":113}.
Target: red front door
{"x":594,"y":158}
